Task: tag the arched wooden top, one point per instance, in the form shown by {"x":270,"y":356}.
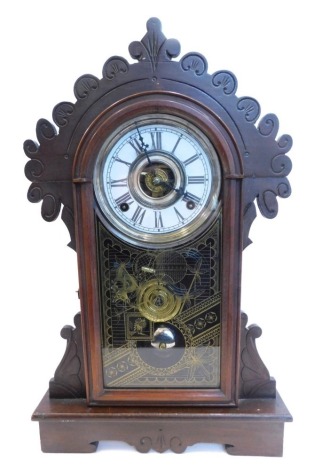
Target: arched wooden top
{"x":134,"y":106}
{"x":261,"y":160}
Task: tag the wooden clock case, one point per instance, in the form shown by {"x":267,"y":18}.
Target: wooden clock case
{"x":245,"y":413}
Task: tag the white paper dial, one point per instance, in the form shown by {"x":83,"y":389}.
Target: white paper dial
{"x":157,"y":181}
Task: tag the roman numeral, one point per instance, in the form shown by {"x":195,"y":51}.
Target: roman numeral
{"x":196,"y":179}
{"x":180,"y":216}
{"x":117,"y":159}
{"x":118,"y":183}
{"x":136,"y":145}
{"x":176,"y":144}
{"x":138,"y":215}
{"x":158,"y":219}
{"x":191,"y":159}
{"x":191,"y":197}
{"x":156,"y":140}
{"x":124,"y":199}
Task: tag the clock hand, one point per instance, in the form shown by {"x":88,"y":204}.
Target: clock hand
{"x":144,"y":146}
{"x":187,"y":197}
{"x":171,"y":186}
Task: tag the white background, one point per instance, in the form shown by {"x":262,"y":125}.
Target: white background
{"x":45,"y":47}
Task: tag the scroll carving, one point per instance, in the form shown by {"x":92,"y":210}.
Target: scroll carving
{"x":85,"y":85}
{"x":50,"y":172}
{"x":69,"y":379}
{"x":226,"y":81}
{"x":267,"y":200}
{"x":62,"y":112}
{"x":255,"y":381}
{"x":265,"y":164}
{"x":250,"y":107}
{"x":45,"y":130}
{"x":114,"y":66}
{"x":160,"y":443}
{"x":194,"y":62}
{"x":269,"y":125}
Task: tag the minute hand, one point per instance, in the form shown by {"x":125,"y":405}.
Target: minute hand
{"x":144,"y":146}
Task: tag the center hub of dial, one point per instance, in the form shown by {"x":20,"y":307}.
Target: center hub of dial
{"x":158,"y":183}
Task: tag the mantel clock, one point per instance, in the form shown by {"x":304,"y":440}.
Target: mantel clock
{"x":157,"y":167}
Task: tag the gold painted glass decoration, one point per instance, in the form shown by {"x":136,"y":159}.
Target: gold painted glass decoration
{"x":161,"y":313}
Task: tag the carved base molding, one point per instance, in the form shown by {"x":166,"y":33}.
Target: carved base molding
{"x":254,"y":427}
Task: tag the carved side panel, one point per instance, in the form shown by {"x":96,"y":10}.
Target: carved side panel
{"x":255,"y":381}
{"x":69,"y":378}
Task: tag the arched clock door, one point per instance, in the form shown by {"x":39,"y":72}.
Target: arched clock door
{"x":158,"y":212}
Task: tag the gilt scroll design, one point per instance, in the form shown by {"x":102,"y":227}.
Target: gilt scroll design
{"x":69,"y":378}
{"x":145,"y":293}
{"x":263,"y":162}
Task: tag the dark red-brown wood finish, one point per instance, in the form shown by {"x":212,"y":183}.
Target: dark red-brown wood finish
{"x":254,"y":167}
{"x":144,"y":103}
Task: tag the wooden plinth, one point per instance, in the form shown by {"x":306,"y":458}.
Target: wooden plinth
{"x":255,"y":427}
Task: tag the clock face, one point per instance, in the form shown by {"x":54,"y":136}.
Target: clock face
{"x":157,"y":181}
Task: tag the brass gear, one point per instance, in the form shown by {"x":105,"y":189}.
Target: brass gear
{"x":156,"y":303}
{"x":155,"y":182}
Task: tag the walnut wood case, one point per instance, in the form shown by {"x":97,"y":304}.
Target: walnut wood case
{"x":243,"y":409}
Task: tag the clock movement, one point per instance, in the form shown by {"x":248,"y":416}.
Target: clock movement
{"x":158,"y":167}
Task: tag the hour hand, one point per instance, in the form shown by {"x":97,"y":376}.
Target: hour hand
{"x":171,"y":186}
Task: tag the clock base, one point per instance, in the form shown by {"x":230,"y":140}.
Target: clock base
{"x":254,"y":427}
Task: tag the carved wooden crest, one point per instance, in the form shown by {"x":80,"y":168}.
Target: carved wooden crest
{"x":265,"y":165}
